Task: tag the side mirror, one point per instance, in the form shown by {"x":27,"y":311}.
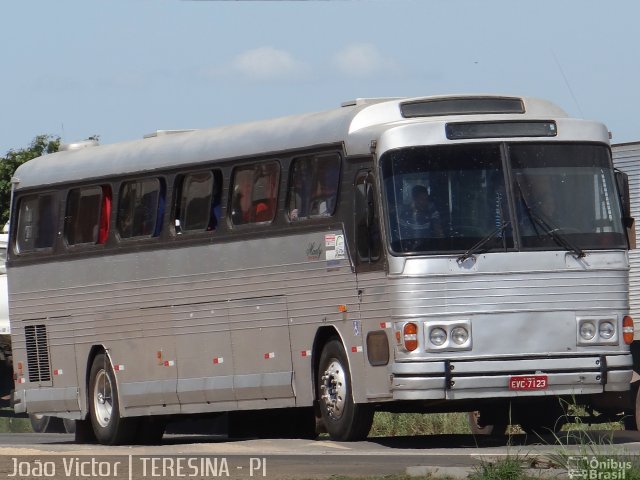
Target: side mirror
{"x":622,"y":181}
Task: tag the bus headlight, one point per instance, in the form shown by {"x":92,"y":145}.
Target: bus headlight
{"x":448,"y":335}
{"x":597,"y":331}
{"x":606,"y":330}
{"x":588,"y":330}
{"x":459,"y":335}
{"x":437,"y":336}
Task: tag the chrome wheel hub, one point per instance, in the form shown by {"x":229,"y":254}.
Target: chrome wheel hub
{"x":333,"y":389}
{"x":103,"y":398}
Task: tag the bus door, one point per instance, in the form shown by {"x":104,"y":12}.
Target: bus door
{"x":375,"y":307}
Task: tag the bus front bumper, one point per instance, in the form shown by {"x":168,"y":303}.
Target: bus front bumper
{"x":503,"y":378}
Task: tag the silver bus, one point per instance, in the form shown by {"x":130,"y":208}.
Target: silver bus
{"x":446,"y":253}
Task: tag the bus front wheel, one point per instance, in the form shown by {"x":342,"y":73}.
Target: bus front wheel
{"x":109,"y":427}
{"x":343,"y":419}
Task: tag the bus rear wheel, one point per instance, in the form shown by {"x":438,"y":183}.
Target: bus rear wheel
{"x":489,"y":423}
{"x":343,"y":419}
{"x":109,"y":427}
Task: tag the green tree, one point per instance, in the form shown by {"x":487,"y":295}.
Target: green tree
{"x":41,"y":145}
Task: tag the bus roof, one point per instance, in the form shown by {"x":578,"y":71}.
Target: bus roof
{"x":355,"y":125}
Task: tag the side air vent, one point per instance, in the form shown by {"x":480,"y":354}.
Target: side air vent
{"x":37,"y":353}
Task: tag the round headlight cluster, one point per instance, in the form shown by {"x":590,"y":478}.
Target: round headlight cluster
{"x":459,"y":335}
{"x":437,"y":336}
{"x":606,"y":330}
{"x":588,"y":330}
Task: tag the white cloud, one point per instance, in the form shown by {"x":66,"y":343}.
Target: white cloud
{"x":361,"y":60}
{"x":266,"y":63}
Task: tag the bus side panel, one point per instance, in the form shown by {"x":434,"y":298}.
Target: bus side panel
{"x":627,"y":159}
{"x":205,"y":366}
{"x":375,"y":311}
{"x":322,"y":294}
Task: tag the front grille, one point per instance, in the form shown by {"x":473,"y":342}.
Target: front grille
{"x":37,"y":353}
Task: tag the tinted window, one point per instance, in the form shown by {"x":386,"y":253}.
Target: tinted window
{"x":37,"y":220}
{"x":198,"y":202}
{"x":255,"y":193}
{"x":83,"y":222}
{"x":140,"y":208}
{"x":366,"y":219}
{"x":566,"y":190}
{"x":446,"y":198}
{"x":313,"y":187}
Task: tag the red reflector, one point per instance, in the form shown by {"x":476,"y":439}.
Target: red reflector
{"x":410,"y":336}
{"x":627,"y":329}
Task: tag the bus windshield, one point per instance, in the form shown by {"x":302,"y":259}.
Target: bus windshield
{"x":450,"y":198}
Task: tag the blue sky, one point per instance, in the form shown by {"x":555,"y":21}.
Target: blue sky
{"x":123,"y":68}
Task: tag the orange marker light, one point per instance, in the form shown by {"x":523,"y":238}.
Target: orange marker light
{"x":627,"y":329}
{"x":342,"y":308}
{"x":410,"y":335}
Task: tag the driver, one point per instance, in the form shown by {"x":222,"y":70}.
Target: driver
{"x":422,"y":216}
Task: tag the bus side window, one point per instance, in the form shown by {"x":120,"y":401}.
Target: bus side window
{"x":105,"y":215}
{"x":313,"y":186}
{"x":140,"y":208}
{"x":37,"y":220}
{"x":366,"y":219}
{"x":255,"y":193}
{"x":87,"y":215}
{"x":198,"y":202}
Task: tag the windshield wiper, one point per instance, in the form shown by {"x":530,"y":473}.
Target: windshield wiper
{"x":556,"y":235}
{"x":476,"y":248}
{"x":549,"y":230}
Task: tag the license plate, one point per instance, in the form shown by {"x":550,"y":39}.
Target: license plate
{"x":528,"y":382}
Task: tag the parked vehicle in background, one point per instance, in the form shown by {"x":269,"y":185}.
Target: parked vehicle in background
{"x":626,"y":158}
{"x":6,"y":356}
{"x":451,"y":253}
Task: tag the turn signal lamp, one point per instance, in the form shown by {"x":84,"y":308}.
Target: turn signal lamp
{"x":627,"y":329}
{"x":410,"y":336}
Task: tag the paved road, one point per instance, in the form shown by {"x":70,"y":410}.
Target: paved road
{"x":283,"y":458}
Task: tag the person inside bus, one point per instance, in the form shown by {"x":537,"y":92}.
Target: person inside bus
{"x":421,"y":217}
{"x":325,"y":198}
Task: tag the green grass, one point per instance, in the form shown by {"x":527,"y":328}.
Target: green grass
{"x":511,"y":468}
{"x":407,"y":424}
{"x":15,"y":425}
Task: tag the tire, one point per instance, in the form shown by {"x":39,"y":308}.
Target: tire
{"x":479,"y":424}
{"x":46,"y":424}
{"x":632,"y":417}
{"x":104,"y":410}
{"x":343,"y":419}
